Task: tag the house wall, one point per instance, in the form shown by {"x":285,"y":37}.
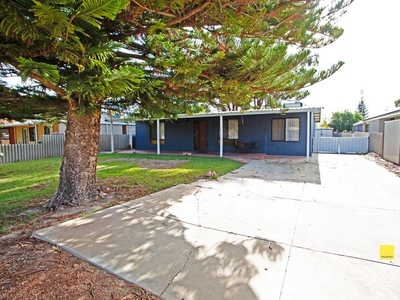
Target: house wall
{"x":377,"y":125}
{"x":20,"y":133}
{"x":60,"y":128}
{"x":16,"y":133}
{"x":359,"y":128}
{"x":179,"y":135}
{"x":117,"y":129}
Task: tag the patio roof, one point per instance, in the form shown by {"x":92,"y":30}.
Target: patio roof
{"x":315,"y":110}
{"x":254,"y":112}
{"x":5,"y":123}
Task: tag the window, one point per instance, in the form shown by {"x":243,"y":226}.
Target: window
{"x":153,"y":133}
{"x":278,"y":129}
{"x":48,"y":129}
{"x":292,"y":132}
{"x":286,"y":130}
{"x":32,"y":134}
{"x":231,"y":129}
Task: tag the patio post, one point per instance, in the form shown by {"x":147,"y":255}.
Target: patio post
{"x":221,"y":136}
{"x":112,"y":131}
{"x":36,"y":133}
{"x":158,"y":136}
{"x":308,"y":137}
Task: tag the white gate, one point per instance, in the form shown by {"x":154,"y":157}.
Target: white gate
{"x":340,"y":144}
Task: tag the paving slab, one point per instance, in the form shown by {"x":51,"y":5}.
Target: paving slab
{"x":173,"y":259}
{"x":351,"y":231}
{"x":229,"y":266}
{"x":315,"y":275}
{"x":137,"y":246}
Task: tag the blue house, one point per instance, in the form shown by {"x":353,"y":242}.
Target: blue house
{"x":269,"y":131}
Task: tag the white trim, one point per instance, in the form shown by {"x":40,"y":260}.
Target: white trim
{"x":36,"y":134}
{"x":221,"y":136}
{"x":158,"y":136}
{"x":308,"y":137}
{"x":293,"y":110}
{"x":112,"y":132}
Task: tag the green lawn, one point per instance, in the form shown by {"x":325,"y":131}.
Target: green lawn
{"x":30,"y":184}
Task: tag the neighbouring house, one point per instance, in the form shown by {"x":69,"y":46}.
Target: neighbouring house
{"x":27,"y":132}
{"x":116,"y":125}
{"x":30,"y":131}
{"x":384,"y":134}
{"x":269,"y":131}
{"x":376,"y":123}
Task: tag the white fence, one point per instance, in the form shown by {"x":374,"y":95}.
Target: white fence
{"x":53,"y":146}
{"x":340,"y":144}
{"x":376,"y":142}
{"x":391,"y":141}
{"x":121,"y":141}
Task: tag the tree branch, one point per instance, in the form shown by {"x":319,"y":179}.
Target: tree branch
{"x":49,"y":85}
{"x":153,"y":10}
{"x":130,"y":55}
{"x":189,"y":14}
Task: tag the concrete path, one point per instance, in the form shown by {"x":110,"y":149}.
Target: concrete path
{"x":274,"y":229}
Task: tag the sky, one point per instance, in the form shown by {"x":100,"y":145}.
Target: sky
{"x":370,"y":48}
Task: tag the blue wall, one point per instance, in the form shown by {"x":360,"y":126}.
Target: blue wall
{"x":179,"y":135}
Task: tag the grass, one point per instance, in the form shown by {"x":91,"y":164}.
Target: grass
{"x":30,"y":184}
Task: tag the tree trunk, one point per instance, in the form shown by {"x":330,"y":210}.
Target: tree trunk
{"x":77,"y":183}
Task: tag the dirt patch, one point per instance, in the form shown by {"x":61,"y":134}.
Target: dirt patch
{"x":33,"y":269}
{"x":152,"y":163}
{"x":391,"y":167}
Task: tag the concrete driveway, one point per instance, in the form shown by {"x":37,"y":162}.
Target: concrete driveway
{"x":274,"y":229}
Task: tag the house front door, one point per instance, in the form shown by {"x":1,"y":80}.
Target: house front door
{"x":200,"y":136}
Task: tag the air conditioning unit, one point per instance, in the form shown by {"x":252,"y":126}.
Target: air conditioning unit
{"x":293,"y":104}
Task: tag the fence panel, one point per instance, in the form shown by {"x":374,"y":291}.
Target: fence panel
{"x":391,"y":143}
{"x":376,"y":142}
{"x":325,"y":144}
{"x":51,"y":146}
{"x":121,"y":141}
{"x":341,"y":144}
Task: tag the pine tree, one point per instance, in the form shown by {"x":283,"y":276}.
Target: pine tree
{"x":362,"y":108}
{"x":161,"y":57}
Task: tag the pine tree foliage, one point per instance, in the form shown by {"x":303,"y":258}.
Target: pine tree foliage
{"x":215,"y":52}
{"x":362,"y":109}
{"x":64,"y":49}
{"x":230,"y":54}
